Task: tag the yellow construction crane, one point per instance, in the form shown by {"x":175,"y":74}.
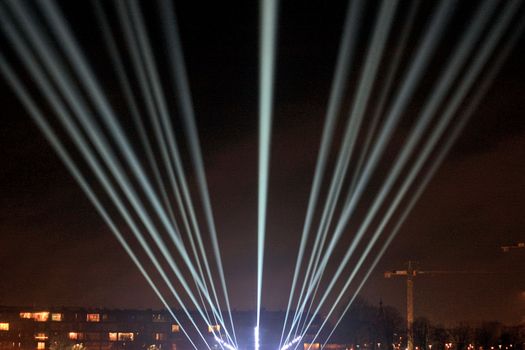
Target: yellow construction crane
{"x":410,"y":273}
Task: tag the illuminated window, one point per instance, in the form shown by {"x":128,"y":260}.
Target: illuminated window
{"x":57,"y":317}
{"x":312,"y":346}
{"x":41,"y":316}
{"x":25,"y":315}
{"x":160,"y":336}
{"x":173,"y":346}
{"x":93,"y":317}
{"x":175,"y":328}
{"x":4,"y":326}
{"x":41,"y":345}
{"x":41,"y":336}
{"x":126,"y":336}
{"x":214,"y":328}
{"x":73,"y":335}
{"x":112,"y":336}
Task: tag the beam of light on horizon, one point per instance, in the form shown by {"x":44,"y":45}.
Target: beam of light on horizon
{"x":410,"y":82}
{"x":55,"y":143}
{"x":146,"y":89}
{"x":267,"y":47}
{"x":179,"y":77}
{"x":378,"y":112}
{"x":59,"y":27}
{"x":372,"y":60}
{"x":439,"y":92}
{"x":344,"y":62}
{"x":480,"y":59}
{"x":140,"y":128}
{"x":146,"y":73}
{"x":91,"y":160}
{"x":412,"y":77}
{"x":140,"y":47}
{"x":79,"y":107}
{"x":131,"y":103}
{"x":78,"y":139}
{"x":145,"y":66}
{"x":386,"y":88}
{"x":455,"y":133}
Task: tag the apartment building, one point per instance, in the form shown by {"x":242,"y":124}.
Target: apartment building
{"x":93,"y":329}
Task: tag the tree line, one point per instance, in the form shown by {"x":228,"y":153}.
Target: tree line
{"x":366,"y":326}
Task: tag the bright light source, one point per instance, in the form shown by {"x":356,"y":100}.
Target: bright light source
{"x":224,"y":344}
{"x":214,"y":328}
{"x":290,"y":344}
{"x":42,"y":316}
{"x":41,"y":336}
{"x":93,"y":317}
{"x":57,"y":317}
{"x":256,"y":337}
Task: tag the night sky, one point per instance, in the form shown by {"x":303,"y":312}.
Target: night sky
{"x":55,"y":250}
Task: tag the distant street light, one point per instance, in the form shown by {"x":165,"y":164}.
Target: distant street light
{"x":507,"y":248}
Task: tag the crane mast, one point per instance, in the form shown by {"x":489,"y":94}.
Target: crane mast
{"x":410,"y":273}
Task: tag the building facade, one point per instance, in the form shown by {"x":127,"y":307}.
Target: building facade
{"x":29,"y":328}
{"x":94,"y":329}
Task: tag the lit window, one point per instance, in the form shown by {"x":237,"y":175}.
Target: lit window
{"x":214,"y":328}
{"x":160,"y":336}
{"x":73,"y":335}
{"x":41,"y":316}
{"x":175,"y":328}
{"x":112,"y":336}
{"x":126,"y":336}
{"x":41,"y":336}
{"x":25,"y":315}
{"x":57,"y":317}
{"x":4,"y":326}
{"x":312,"y":346}
{"x":93,"y":317}
{"x":173,"y":346}
{"x":41,"y":345}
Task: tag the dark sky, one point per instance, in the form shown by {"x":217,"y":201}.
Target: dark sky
{"x":55,"y":250}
